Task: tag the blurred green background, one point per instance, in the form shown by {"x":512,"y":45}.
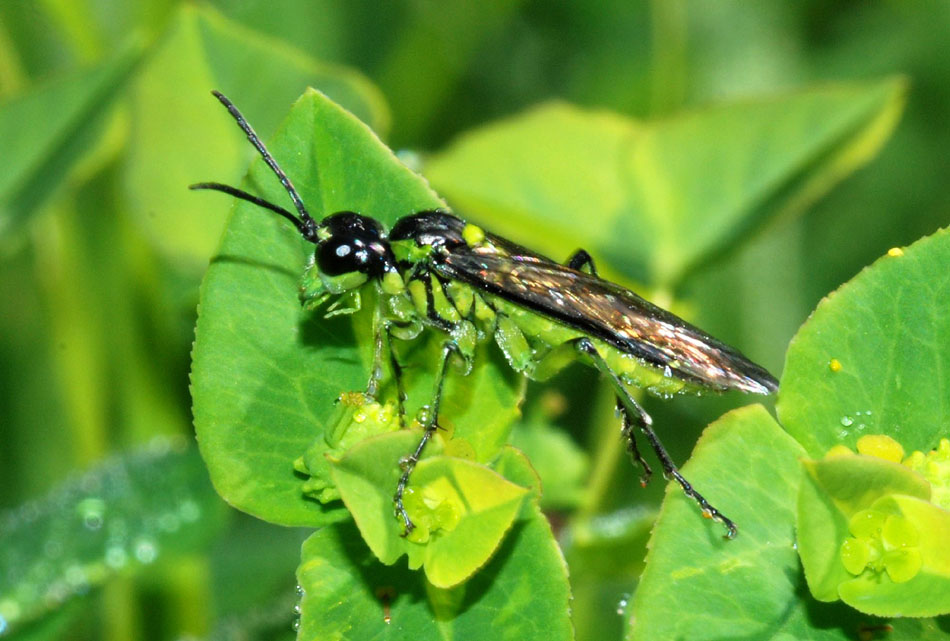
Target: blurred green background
{"x":105,"y":118}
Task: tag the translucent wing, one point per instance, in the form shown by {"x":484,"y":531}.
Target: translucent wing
{"x":607,"y":311}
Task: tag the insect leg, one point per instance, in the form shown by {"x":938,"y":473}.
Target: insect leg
{"x":637,"y":414}
{"x":432,"y":424}
{"x":581,"y":259}
{"x":396,"y":369}
{"x":627,"y":432}
{"x":376,"y":373}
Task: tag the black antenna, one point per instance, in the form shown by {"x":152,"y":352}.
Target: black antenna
{"x":306,"y":225}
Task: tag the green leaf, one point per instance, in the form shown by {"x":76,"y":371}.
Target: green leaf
{"x":265,"y":373}
{"x":873,"y":357}
{"x":748,"y":587}
{"x":126,"y":513}
{"x":46,"y":132}
{"x":461,"y":510}
{"x":178,"y":127}
{"x":834,"y":490}
{"x":656,"y":199}
{"x":523,"y":591}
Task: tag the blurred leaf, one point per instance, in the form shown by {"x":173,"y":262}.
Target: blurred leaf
{"x":523,"y":590}
{"x":656,"y":199}
{"x":605,"y":554}
{"x":128,"y":512}
{"x":265,"y":373}
{"x":887,"y":330}
{"x":252,"y":566}
{"x":562,"y":465}
{"x":748,"y":587}
{"x":45,"y":132}
{"x":53,"y":625}
{"x":181,"y":135}
{"x":437,"y":46}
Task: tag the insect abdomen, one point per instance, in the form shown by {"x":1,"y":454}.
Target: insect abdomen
{"x":546,"y":338}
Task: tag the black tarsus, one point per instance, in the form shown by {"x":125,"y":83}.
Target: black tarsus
{"x":306,"y":225}
{"x":581,"y":259}
{"x":637,"y":414}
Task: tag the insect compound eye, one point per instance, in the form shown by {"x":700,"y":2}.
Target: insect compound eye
{"x":339,"y":256}
{"x":352,"y":243}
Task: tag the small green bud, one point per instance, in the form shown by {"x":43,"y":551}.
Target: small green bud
{"x":855,"y":555}
{"x":902,"y":565}
{"x":935,"y":467}
{"x":867,"y":523}
{"x":899,"y":532}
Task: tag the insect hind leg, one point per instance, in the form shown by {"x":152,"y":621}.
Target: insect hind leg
{"x":431,"y":425}
{"x":638,"y":416}
{"x":627,"y":432}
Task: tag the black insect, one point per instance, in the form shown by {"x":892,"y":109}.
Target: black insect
{"x":433,"y":270}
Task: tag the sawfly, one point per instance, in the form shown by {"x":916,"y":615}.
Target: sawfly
{"x":434,"y":271}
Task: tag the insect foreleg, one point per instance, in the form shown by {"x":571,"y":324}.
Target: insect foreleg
{"x":396,"y":369}
{"x":431,"y":425}
{"x":637,"y":414}
{"x":383,"y":340}
{"x":372,"y":386}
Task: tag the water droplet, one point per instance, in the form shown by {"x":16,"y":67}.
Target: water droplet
{"x":53,"y":548}
{"x":145,"y":550}
{"x":168,"y":522}
{"x":622,"y":604}
{"x":29,"y":511}
{"x":76,"y":579}
{"x":300,"y":591}
{"x":159,"y":446}
{"x":847,"y":421}
{"x":295,"y":625}
{"x":92,"y":512}
{"x":297,"y":609}
{"x":189,"y":511}
{"x":56,"y":593}
{"x":668,"y":372}
{"x":116,"y":556}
